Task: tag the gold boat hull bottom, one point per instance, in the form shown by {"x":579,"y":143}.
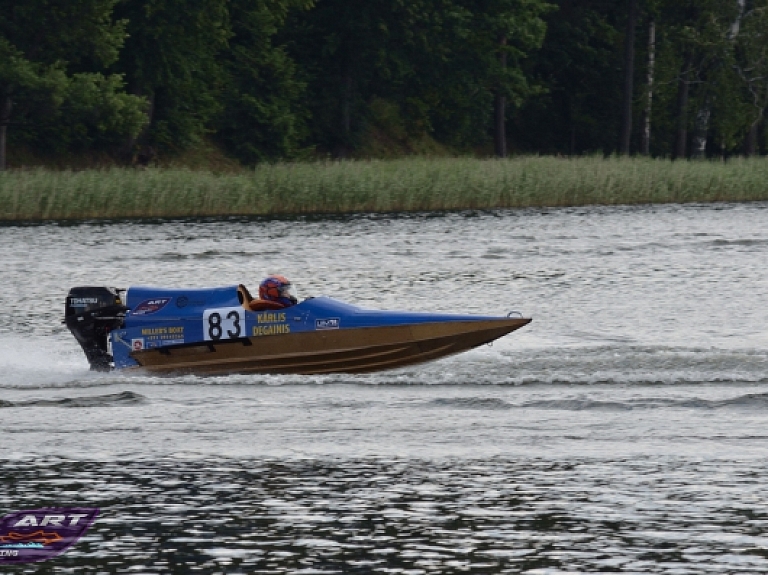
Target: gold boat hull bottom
{"x":355,"y":350}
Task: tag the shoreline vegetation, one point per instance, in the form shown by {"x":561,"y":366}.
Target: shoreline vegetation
{"x":375,"y":186}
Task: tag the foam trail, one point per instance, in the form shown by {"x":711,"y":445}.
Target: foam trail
{"x":26,"y":362}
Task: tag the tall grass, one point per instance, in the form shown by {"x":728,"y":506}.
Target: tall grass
{"x":417,"y":184}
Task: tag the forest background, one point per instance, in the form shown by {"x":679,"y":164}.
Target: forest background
{"x":230,"y":83}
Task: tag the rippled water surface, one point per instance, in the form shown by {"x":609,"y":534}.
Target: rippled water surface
{"x":623,"y":431}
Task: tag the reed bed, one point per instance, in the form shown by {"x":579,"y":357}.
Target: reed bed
{"x":417,"y":184}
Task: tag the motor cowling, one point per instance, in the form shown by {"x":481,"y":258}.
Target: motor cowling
{"x":91,"y":313}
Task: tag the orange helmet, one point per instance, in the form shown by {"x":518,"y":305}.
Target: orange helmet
{"x":277,"y":288}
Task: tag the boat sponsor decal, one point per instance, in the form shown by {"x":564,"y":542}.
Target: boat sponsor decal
{"x":158,"y":336}
{"x":274,"y":329}
{"x":271,"y":323}
{"x":137,"y":344}
{"x":150,"y":306}
{"x":41,"y":534}
{"x":223,"y":323}
{"x":183,"y":301}
{"x":82,"y":301}
{"x":270,"y":317}
{"x":328,"y":323}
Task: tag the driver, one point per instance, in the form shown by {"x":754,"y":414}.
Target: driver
{"x":277,"y":289}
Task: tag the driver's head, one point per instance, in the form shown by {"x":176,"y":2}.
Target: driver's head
{"x":278,"y":289}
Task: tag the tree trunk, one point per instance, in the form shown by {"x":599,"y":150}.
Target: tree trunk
{"x":736,"y":25}
{"x":131,"y":146}
{"x":573,"y":139}
{"x":701,"y":127}
{"x":750,"y":144}
{"x":346,"y":106}
{"x":344,"y":146}
{"x":499,"y":131}
{"x":681,"y":139}
{"x":645,"y":146}
{"x":5,"y":117}
{"x":500,"y":109}
{"x":629,"y":75}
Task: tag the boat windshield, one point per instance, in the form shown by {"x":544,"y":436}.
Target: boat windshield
{"x":289,"y":292}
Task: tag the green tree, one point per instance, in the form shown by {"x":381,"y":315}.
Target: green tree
{"x":503,"y":33}
{"x":341,"y":47}
{"x":263,"y":116}
{"x":171,"y":59}
{"x":439,"y":63}
{"x":750,"y":66}
{"x":696,"y":41}
{"x":48,"y":50}
{"x":580,"y":64}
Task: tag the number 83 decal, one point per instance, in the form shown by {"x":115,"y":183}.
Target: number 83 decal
{"x":223,"y":323}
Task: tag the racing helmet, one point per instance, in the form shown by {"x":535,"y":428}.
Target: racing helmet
{"x":278,"y":289}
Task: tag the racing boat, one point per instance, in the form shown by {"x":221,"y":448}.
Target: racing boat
{"x":224,"y":330}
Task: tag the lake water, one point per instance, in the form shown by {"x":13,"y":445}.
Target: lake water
{"x":623,"y":431}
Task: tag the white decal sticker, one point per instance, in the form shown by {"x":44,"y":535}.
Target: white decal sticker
{"x":329,"y":323}
{"x":223,"y":323}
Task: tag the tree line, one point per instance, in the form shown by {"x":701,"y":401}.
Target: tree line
{"x":283,"y":79}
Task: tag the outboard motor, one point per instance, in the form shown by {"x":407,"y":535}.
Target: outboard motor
{"x":90,"y":314}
